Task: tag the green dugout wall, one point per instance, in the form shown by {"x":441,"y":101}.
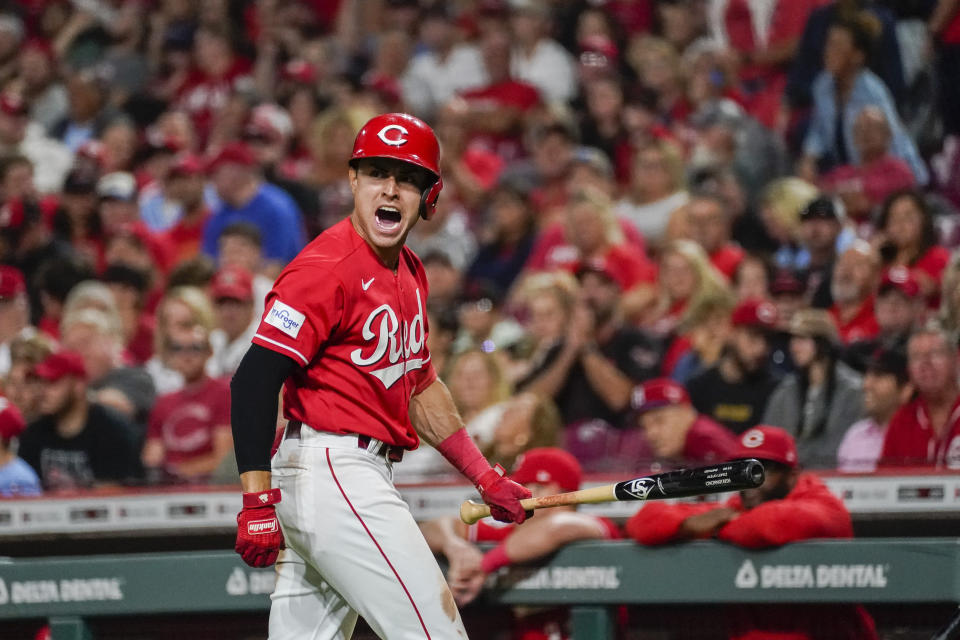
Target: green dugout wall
{"x":590,"y":577}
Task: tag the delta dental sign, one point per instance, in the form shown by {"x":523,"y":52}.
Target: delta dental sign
{"x":66,"y":590}
{"x":809,"y":576}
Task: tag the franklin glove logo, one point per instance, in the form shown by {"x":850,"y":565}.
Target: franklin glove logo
{"x":260,"y":527}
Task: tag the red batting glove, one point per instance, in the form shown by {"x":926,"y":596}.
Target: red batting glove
{"x":503,"y":495}
{"x":259,"y":538}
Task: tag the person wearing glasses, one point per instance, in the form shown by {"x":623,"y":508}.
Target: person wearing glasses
{"x":189,"y":433}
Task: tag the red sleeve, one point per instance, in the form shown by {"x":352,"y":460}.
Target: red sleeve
{"x":300,"y":313}
{"x":778,"y":522}
{"x":933,"y":262}
{"x":549,"y":238}
{"x":157,"y":414}
{"x":483,"y":531}
{"x":658,"y":522}
{"x":895,"y":450}
{"x":788,"y":20}
{"x":221,"y":404}
{"x":679,"y":346}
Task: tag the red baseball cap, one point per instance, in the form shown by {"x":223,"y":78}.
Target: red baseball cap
{"x":60,"y":364}
{"x":12,"y":104}
{"x":187,"y":164}
{"x":232,"y":282}
{"x":758,"y":314}
{"x":548,"y":464}
{"x":299,"y":71}
{"x":233,"y":153}
{"x":901,"y":279}
{"x":767,"y":443}
{"x":12,"y":423}
{"x":605,"y":268}
{"x":656,"y":393}
{"x":12,"y":282}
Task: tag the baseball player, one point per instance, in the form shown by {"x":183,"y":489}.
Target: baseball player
{"x":344,"y":333}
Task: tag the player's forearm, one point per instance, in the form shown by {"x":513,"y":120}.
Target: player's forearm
{"x":434,"y":415}
{"x":542,"y":536}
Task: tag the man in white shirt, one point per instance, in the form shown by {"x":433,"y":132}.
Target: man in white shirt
{"x":538,"y":59}
{"x":886,"y":387}
{"x":232,"y":293}
{"x":447,"y":67}
{"x":18,"y":134}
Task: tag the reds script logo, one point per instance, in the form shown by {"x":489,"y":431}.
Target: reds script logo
{"x":397,"y":350}
{"x":395,"y":141}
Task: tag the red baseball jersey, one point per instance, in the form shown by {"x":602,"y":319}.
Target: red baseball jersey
{"x":360,"y":333}
{"x":911,"y":440}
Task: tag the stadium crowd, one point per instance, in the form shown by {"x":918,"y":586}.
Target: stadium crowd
{"x":663,"y":223}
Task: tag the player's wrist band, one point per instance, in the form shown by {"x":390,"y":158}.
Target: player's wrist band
{"x":462,"y":452}
{"x":261,"y":498}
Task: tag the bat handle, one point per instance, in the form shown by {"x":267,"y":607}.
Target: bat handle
{"x":471,"y":511}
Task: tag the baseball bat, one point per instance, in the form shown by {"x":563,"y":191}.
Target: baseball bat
{"x":682,"y":483}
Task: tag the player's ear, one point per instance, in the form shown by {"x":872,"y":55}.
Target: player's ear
{"x":352,"y":177}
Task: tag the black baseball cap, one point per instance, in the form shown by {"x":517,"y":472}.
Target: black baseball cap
{"x":821,"y":208}
{"x":890,"y":362}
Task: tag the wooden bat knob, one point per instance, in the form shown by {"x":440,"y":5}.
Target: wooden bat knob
{"x":471,"y":511}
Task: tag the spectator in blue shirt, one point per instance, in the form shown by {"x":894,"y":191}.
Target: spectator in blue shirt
{"x":840,"y":92}
{"x":17,"y":478}
{"x":245,"y":197}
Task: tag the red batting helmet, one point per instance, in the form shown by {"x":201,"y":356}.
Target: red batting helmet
{"x":402,"y":137}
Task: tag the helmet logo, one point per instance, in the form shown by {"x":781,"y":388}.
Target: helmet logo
{"x":397,"y":141}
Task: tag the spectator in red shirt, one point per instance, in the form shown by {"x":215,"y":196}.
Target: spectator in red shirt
{"x":926,"y":431}
{"x":216,"y":75}
{"x":496,"y":113}
{"x":709,"y":224}
{"x":790,"y":506}
{"x":674,"y":429}
{"x":185,"y":184}
{"x":189,"y":433}
{"x":852,"y":287}
{"x":866,"y":185}
{"x":908,"y":238}
{"x":545,"y":471}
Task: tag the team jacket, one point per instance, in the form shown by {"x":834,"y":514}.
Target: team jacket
{"x":359,"y":331}
{"x":809,"y":511}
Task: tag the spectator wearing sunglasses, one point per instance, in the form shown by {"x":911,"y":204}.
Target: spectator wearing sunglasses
{"x":189,"y":430}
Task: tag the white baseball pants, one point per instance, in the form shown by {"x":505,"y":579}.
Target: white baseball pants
{"x":353,"y":548}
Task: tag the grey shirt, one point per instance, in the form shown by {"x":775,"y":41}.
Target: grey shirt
{"x":799,"y":417}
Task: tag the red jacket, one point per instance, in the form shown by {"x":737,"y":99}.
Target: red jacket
{"x":809,"y":511}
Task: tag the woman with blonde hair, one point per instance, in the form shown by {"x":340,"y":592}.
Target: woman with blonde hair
{"x":180,"y":309}
{"x":657,"y":189}
{"x":950,"y":294}
{"x":686,"y":279}
{"x":780,"y":206}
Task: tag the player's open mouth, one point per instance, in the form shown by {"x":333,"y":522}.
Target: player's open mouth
{"x":388,"y":218}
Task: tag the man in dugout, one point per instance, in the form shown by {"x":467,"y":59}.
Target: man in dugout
{"x":790,"y":506}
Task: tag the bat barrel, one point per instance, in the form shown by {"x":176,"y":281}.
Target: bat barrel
{"x":735,"y":475}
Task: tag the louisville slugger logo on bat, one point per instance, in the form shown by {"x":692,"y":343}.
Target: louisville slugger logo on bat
{"x":640,"y":488}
